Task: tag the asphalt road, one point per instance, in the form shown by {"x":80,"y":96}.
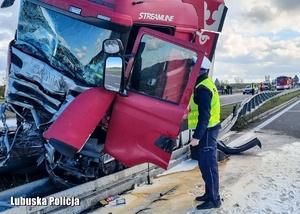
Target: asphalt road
{"x":285,"y":124}
{"x":233,"y":98}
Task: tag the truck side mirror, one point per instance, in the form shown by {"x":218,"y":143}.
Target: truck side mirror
{"x":113,"y":73}
{"x":112,"y":46}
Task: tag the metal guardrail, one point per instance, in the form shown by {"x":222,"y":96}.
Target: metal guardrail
{"x":252,"y":103}
{"x":90,"y":193}
{"x":249,"y":105}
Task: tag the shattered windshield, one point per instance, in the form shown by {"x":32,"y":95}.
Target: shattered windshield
{"x":70,"y":45}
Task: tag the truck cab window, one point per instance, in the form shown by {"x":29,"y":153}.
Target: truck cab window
{"x":135,"y":29}
{"x":161,"y":69}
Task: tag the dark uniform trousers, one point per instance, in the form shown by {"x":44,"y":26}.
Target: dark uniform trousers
{"x":208,"y":163}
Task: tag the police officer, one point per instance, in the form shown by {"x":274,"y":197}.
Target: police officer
{"x":225,"y":89}
{"x":204,"y":119}
{"x":252,"y":86}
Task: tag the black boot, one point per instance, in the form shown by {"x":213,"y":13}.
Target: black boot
{"x":202,"y":198}
{"x":208,"y":205}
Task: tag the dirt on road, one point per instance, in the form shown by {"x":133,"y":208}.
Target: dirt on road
{"x":257,"y":181}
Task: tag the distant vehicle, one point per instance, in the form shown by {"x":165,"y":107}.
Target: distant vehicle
{"x":283,"y":82}
{"x":267,"y":86}
{"x":248,"y":90}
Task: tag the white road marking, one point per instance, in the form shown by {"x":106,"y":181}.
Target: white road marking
{"x":251,"y":134}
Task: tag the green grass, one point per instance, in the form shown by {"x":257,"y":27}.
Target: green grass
{"x":227,"y":110}
{"x":252,"y":118}
{"x":275,"y":102}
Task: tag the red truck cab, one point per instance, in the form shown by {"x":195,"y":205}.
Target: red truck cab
{"x":102,"y":80}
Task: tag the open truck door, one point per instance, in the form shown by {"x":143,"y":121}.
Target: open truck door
{"x":160,"y":78}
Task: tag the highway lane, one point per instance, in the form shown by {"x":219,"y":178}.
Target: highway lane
{"x":287,"y":123}
{"x":229,"y":99}
{"x":284,"y":123}
{"x":239,"y":97}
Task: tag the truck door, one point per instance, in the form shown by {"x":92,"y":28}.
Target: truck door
{"x":144,"y":124}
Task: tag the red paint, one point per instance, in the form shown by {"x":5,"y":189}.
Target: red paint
{"x":137,"y":121}
{"x":80,"y":117}
{"x":91,"y":9}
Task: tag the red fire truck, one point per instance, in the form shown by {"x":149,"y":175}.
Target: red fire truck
{"x":284,"y":82}
{"x":98,"y":85}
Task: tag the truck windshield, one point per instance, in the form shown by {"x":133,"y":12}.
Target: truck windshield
{"x":71,"y":46}
{"x":282,"y":79}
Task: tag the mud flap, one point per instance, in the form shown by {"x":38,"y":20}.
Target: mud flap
{"x":71,"y":130}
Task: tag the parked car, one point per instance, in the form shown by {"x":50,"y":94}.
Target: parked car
{"x":267,"y":86}
{"x":247,"y":90}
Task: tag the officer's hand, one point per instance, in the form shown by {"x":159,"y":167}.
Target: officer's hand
{"x":194,"y":142}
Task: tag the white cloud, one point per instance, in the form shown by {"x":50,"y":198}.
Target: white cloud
{"x":8,"y":25}
{"x":81,"y":53}
{"x":259,"y":38}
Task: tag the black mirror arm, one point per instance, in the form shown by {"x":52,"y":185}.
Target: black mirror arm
{"x":123,"y":91}
{"x":128,"y":56}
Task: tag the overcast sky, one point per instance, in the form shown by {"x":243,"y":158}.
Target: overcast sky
{"x":259,"y":38}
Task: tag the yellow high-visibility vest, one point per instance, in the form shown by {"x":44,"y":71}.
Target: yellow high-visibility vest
{"x":215,"y":106}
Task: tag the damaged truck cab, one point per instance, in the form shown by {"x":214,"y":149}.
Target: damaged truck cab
{"x":97,"y":86}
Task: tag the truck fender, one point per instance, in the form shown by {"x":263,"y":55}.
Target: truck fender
{"x":71,"y":130}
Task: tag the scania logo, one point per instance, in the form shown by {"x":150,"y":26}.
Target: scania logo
{"x":155,"y":16}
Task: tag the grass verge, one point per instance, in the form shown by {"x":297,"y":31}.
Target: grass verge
{"x":227,"y":110}
{"x":256,"y":116}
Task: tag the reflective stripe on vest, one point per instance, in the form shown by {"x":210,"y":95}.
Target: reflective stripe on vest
{"x":215,"y":106}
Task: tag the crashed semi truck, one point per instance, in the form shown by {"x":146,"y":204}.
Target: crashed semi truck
{"x":99,"y":85}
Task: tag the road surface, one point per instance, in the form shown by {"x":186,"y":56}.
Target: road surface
{"x":229,"y":99}
{"x":263,"y":180}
